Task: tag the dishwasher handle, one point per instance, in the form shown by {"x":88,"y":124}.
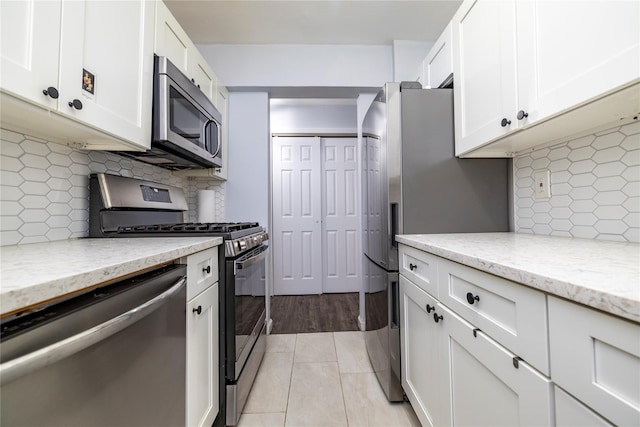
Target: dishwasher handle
{"x":20,"y":366}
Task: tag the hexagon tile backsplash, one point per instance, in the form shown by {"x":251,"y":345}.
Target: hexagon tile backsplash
{"x":44,"y":188}
{"x":595,"y":187}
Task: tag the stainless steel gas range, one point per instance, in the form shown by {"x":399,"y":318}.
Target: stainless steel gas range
{"x":128,"y":207}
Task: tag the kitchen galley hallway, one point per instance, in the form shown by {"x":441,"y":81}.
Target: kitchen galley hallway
{"x":320,"y":379}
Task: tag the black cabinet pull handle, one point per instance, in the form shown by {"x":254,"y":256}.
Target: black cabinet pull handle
{"x":207,"y":269}
{"x":505,"y":122}
{"x":76,"y":103}
{"x":522,"y":114}
{"x":198,"y":309}
{"x":437,"y":318}
{"x":516,"y":362}
{"x":412,"y":267}
{"x":430,"y":308}
{"x":51,"y":91}
{"x":472,"y":298}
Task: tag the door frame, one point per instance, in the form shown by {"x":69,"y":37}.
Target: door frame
{"x":319,"y":134}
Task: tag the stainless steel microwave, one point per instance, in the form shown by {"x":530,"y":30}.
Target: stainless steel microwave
{"x":187,"y":127}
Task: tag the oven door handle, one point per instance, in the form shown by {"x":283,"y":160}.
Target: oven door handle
{"x":55,"y":352}
{"x":240,"y":265}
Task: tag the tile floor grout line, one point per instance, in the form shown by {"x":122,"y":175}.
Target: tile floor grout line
{"x":344,"y":403}
{"x":293,"y":361}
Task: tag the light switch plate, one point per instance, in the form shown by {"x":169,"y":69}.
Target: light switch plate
{"x":542,"y":184}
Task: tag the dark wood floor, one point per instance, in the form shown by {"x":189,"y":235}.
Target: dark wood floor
{"x":293,"y":314}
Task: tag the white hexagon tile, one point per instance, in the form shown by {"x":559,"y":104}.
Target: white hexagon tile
{"x":595,"y":187}
{"x":44,"y":187}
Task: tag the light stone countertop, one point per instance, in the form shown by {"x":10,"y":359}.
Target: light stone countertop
{"x":34,"y":273}
{"x":597,"y":273}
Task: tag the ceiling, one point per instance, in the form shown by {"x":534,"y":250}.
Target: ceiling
{"x":357,"y":22}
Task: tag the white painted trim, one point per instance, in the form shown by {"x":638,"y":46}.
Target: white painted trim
{"x":361,"y":323}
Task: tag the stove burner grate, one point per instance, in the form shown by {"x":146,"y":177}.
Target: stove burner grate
{"x":189,"y":227}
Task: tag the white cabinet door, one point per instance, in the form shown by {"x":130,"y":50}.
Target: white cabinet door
{"x":171,"y":40}
{"x":30,"y":32}
{"x":203,"y":76}
{"x":106,"y":64}
{"x":202,"y":358}
{"x":596,"y":357}
{"x":572,"y":413}
{"x":423,"y":368}
{"x":438,"y":65}
{"x":484,"y":58}
{"x":487,"y":386}
{"x":571,"y":52}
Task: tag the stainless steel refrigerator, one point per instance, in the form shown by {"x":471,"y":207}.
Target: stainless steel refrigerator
{"x":413,"y":184}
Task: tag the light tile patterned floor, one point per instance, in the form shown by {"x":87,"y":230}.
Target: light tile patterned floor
{"x":320,"y":379}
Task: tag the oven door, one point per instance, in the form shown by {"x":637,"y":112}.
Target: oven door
{"x":248,"y":274}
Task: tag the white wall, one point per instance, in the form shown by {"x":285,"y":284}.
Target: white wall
{"x":247,"y":184}
{"x":318,"y":116}
{"x":300,"y":65}
{"x":407,"y":57}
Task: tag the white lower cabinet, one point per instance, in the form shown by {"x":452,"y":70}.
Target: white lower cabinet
{"x":453,"y":371}
{"x":490,"y":385}
{"x":570,"y":412}
{"x":202,"y":394}
{"x":453,"y":374}
{"x":423,"y":370}
{"x":596,"y":357}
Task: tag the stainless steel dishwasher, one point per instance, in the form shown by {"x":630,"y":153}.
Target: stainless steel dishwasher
{"x":114,"y":356}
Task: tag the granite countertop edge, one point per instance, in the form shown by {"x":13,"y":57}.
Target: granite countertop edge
{"x":614,"y":290}
{"x":27,"y":278}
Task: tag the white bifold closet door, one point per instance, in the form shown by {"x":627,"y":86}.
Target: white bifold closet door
{"x":315,"y":240}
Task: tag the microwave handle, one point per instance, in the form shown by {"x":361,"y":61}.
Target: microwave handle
{"x":207,"y":123}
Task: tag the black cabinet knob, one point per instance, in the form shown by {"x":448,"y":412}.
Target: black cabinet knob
{"x":412,"y":267}
{"x":437,"y":318}
{"x":76,"y":103}
{"x":207,"y":269}
{"x":522,"y":115}
{"x":198,"y":309}
{"x":193,"y":80}
{"x":505,"y":122}
{"x":51,"y":91}
{"x":430,"y":308}
{"x":472,"y":298}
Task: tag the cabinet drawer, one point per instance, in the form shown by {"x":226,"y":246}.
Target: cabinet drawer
{"x":420,"y":268}
{"x":596,"y":357}
{"x":202,"y":271}
{"x":570,"y":412}
{"x":511,"y":314}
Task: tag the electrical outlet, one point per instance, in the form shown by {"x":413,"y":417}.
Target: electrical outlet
{"x":542,"y":184}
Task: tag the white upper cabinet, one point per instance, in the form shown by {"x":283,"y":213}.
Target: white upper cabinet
{"x":174,"y":43}
{"x":484,"y":59}
{"x":31,"y":50}
{"x":90,"y":62}
{"x":110,"y":69}
{"x":570,"y":52}
{"x":550,"y":68}
{"x":438,"y":65}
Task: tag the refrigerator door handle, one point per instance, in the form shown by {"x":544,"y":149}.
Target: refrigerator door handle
{"x":393,"y":214}
{"x":394,"y":320}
